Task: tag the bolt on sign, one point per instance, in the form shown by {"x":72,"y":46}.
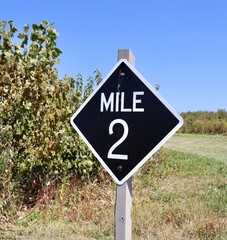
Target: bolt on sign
{"x":125,"y":121}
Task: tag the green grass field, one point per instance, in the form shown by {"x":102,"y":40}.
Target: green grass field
{"x":211,"y":146}
{"x":181,"y":193}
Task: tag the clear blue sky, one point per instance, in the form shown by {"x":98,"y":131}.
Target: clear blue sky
{"x":179,"y":44}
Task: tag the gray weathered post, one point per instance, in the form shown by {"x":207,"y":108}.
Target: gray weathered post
{"x":123,"y":224}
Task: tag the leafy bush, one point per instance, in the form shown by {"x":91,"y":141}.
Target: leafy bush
{"x":203,"y":122}
{"x":38,"y":146}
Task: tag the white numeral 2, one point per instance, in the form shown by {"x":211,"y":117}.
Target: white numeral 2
{"x":124,"y":136}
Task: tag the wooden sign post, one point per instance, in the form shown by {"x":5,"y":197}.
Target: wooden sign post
{"x":123,"y":205}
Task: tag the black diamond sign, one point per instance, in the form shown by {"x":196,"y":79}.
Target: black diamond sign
{"x":125,"y":121}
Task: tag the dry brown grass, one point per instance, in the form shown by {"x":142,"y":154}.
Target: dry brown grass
{"x":176,"y":211}
{"x":175,"y":196}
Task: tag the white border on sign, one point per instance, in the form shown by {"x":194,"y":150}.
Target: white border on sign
{"x":161,"y":143}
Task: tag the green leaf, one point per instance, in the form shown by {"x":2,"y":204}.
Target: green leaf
{"x":44,"y":23}
{"x":34,"y":36}
{"x":35,"y":27}
{"x":21,"y":35}
{"x":3,"y":24}
{"x":26,"y":28}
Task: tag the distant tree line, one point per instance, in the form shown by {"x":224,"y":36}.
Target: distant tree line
{"x":205,"y":122}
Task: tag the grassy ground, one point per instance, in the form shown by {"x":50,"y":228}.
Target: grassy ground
{"x":212,"y":146}
{"x":176,"y":195}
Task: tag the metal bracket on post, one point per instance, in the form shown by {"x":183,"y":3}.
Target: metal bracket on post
{"x":123,"y":224}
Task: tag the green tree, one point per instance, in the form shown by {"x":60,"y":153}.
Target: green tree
{"x":39,"y":147}
{"x":205,"y":122}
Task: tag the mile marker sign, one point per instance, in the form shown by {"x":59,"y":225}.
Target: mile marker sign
{"x":124,"y":121}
